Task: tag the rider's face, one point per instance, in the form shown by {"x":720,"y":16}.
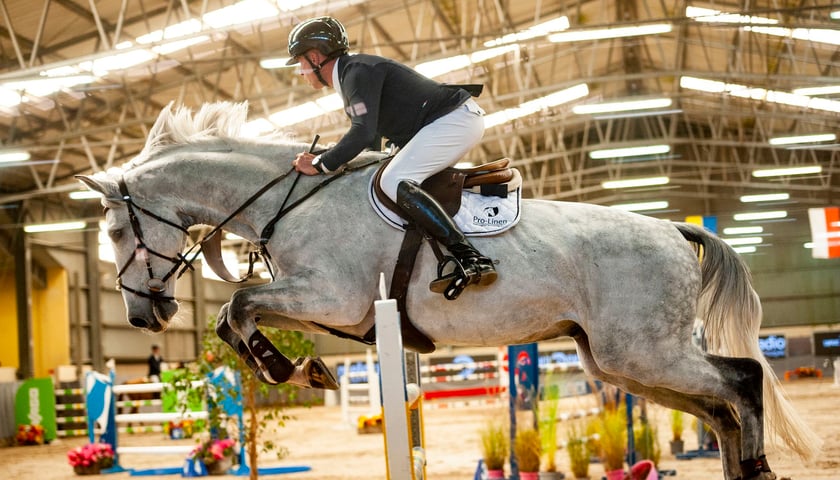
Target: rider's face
{"x":307,"y":61}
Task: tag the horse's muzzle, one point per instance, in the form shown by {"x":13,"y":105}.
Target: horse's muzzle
{"x":152,"y":326}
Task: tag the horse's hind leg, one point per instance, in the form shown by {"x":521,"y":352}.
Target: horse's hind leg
{"x":714,"y":412}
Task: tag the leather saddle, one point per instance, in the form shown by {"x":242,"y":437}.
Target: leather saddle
{"x":446,"y":187}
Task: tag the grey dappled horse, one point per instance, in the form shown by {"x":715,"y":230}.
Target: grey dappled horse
{"x":627,"y":288}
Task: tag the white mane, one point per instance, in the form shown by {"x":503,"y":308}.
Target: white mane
{"x":213,"y":121}
{"x":219,"y":122}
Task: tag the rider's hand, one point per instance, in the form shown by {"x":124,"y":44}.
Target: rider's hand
{"x":303,"y":164}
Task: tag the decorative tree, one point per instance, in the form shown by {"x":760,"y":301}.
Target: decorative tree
{"x":216,"y":353}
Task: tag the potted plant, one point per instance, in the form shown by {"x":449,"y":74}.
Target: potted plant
{"x":215,"y":454}
{"x":548,"y":434}
{"x":528,"y":447}
{"x":579,"y":453}
{"x":30,"y":435}
{"x":646,"y":442}
{"x":676,"y":432}
{"x":612,"y":441}
{"x":494,"y":449}
{"x":91,"y":459}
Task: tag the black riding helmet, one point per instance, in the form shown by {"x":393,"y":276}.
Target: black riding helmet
{"x":325,"y":34}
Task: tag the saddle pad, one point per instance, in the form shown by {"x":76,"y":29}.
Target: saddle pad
{"x":478,"y":216}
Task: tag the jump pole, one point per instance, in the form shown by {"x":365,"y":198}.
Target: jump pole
{"x":404,"y":450}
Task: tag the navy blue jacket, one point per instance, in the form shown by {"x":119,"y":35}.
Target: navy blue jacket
{"x":385,"y":98}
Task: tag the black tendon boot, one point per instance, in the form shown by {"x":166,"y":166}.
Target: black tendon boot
{"x":471,"y":267}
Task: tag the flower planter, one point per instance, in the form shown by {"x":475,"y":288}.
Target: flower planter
{"x":552,"y":476}
{"x":676,"y":447}
{"x":87,"y":470}
{"x":495,"y":474}
{"x":615,"y":475}
{"x":529,"y":476}
{"x":220,"y":467}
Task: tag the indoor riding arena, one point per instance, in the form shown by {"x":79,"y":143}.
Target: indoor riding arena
{"x":613,"y":253}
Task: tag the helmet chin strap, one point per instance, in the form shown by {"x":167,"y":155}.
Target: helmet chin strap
{"x":317,"y":69}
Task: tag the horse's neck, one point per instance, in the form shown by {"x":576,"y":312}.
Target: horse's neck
{"x":207,"y":187}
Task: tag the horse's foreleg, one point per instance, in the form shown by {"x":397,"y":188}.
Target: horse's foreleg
{"x":238,"y":345}
{"x":274,"y":367}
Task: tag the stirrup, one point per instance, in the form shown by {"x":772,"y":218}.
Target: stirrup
{"x":452,"y":284}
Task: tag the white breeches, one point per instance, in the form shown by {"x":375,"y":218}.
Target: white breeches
{"x":436,"y":146}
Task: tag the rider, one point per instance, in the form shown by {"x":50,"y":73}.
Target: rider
{"x":433,"y":124}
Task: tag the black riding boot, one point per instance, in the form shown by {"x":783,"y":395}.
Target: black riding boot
{"x":471,"y":266}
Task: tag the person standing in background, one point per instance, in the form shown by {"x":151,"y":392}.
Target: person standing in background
{"x":155,"y":359}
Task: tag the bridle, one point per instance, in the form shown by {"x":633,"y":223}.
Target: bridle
{"x":182,"y":262}
{"x":156,"y":286}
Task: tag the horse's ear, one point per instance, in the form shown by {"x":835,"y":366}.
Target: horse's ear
{"x":104,"y":185}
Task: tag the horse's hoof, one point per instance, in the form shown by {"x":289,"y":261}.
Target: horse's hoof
{"x":317,"y":374}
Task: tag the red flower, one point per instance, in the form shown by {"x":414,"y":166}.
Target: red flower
{"x":101,"y":454}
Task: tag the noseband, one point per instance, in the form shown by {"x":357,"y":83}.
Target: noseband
{"x":156,"y":286}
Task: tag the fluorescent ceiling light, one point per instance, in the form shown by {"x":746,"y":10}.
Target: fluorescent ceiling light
{"x":9,"y":98}
{"x":743,"y":240}
{"x":746,"y":249}
{"x":820,"y":35}
{"x":641,"y":206}
{"x":536,"y":105}
{"x":556,"y":25}
{"x":821,"y":137}
{"x":622,"y":106}
{"x":256,"y":127}
{"x":436,"y":68}
{"x":275,"y":62}
{"x":758,"y":25}
{"x":635,"y":182}
{"x":612,"y":32}
{"x":171,"y":47}
{"x":709,"y":15}
{"x":85,"y":195}
{"x":835,"y":15}
{"x":173,"y":31}
{"x":783,"y":172}
{"x":242,"y":12}
{"x":743,"y":230}
{"x":54,"y":227}
{"x":239,"y":13}
{"x":826,"y":90}
{"x":307,"y":111}
{"x":746,"y":217}
{"x":42,"y":87}
{"x":629,"y":152}
{"x":118,"y":61}
{"x":765,"y":197}
{"x":14,"y":156}
{"x":759,"y":94}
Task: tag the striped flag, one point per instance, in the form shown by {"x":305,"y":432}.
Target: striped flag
{"x":825,"y":232}
{"x":707,"y":222}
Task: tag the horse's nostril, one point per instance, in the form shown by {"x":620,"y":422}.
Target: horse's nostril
{"x":138,"y":322}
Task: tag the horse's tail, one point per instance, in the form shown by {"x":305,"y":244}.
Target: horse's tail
{"x":731,"y":311}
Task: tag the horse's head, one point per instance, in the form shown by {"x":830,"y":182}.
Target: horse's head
{"x":148,"y":239}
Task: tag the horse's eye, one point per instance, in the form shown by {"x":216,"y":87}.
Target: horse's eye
{"x":115,"y":235}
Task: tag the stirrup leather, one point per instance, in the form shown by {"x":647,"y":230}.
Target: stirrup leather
{"x":452,"y":284}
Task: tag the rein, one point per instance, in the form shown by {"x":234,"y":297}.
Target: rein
{"x":157,"y":286}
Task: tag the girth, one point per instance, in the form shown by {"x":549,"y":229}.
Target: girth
{"x":445,"y":187}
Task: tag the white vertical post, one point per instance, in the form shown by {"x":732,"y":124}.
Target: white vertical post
{"x":392,"y":378}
